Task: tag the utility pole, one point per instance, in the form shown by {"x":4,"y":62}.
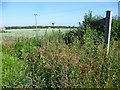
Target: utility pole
{"x":36,"y":19}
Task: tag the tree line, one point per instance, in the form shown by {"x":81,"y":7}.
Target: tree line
{"x":32,"y":27}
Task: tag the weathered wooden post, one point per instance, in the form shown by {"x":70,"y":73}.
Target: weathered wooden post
{"x":107,"y":22}
{"x":107,"y":29}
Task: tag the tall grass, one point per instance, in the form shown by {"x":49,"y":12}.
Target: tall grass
{"x":74,"y":59}
{"x":0,"y":70}
{"x":49,"y":63}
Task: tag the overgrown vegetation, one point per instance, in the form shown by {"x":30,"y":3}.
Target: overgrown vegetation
{"x":75,"y":59}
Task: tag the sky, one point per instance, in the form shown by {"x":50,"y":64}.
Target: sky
{"x":61,"y":13}
{"x":119,"y":9}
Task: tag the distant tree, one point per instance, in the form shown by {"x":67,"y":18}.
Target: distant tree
{"x":80,"y":24}
{"x":53,"y":24}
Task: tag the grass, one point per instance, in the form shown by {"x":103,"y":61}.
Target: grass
{"x":12,"y":71}
{"x":48,"y":62}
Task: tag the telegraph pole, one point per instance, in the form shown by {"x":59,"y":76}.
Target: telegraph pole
{"x":36,"y":19}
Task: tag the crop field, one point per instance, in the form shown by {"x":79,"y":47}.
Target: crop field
{"x":60,"y":58}
{"x":29,"y":32}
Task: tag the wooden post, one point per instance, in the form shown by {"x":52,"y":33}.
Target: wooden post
{"x":108,"y":29}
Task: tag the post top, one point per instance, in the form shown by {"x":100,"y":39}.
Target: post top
{"x":108,"y":11}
